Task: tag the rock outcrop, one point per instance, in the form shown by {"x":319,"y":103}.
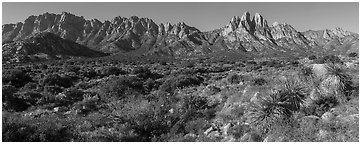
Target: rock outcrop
{"x":246,"y":33}
{"x":119,"y":34}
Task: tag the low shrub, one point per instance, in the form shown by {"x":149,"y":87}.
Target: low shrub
{"x":180,"y":82}
{"x":16,"y":77}
{"x":353,"y":54}
{"x":259,"y":81}
{"x":328,"y":59}
{"x":234,"y":79}
{"x":121,"y":87}
{"x":55,"y":79}
{"x":48,"y":128}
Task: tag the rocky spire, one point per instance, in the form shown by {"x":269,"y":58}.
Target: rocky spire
{"x":259,"y":21}
{"x":246,"y":22}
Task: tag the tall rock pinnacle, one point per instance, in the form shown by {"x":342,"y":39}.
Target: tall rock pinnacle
{"x":246,"y":22}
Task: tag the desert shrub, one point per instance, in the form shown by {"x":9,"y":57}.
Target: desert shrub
{"x":180,"y":82}
{"x":147,"y":120}
{"x":312,"y":57}
{"x":73,"y":95}
{"x":112,"y":71}
{"x":196,"y":126}
{"x":271,"y":63}
{"x":340,"y":130}
{"x":234,"y":78}
{"x":213,"y":90}
{"x":217,"y":69}
{"x":188,"y":64}
{"x":121,"y":87}
{"x":49,"y":128}
{"x":90,"y":103}
{"x":295,"y":63}
{"x":353,"y":54}
{"x":16,"y":77}
{"x":43,"y":66}
{"x":31,"y":86}
{"x":328,"y":59}
{"x":51,"y":89}
{"x":55,"y":79}
{"x":239,"y":130}
{"x":91,"y":73}
{"x":259,"y":81}
{"x":12,"y":101}
{"x":71,"y":68}
{"x":306,"y":71}
{"x":320,"y":106}
{"x":194,"y":102}
{"x":149,"y":85}
{"x":145,"y":73}
{"x":30,"y":97}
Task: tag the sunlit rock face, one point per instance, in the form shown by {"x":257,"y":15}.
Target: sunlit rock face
{"x":245,"y":33}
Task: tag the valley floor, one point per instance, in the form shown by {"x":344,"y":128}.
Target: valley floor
{"x":312,"y":99}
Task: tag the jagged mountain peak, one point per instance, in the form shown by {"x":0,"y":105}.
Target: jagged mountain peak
{"x":259,"y":21}
{"x":247,"y":23}
{"x":245,"y":32}
{"x":246,"y":16}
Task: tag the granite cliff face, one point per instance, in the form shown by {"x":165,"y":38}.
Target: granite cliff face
{"x":248,"y":33}
{"x":119,"y":34}
{"x":335,"y":39}
{"x":245,"y":33}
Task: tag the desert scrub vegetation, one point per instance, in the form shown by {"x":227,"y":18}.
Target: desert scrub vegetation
{"x":172,"y":100}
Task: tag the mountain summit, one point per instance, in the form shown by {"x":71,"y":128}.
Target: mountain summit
{"x":245,"y":33}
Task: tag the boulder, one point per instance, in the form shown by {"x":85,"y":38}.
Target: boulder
{"x":327,"y":117}
{"x":250,"y":137}
{"x":274,"y":138}
{"x":319,"y":70}
{"x":225,"y":129}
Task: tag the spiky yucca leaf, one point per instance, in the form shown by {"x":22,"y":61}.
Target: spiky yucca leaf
{"x":269,"y":110}
{"x":337,"y":82}
{"x":270,"y":107}
{"x":293,"y":93}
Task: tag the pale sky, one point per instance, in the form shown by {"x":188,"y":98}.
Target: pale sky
{"x":204,"y":16}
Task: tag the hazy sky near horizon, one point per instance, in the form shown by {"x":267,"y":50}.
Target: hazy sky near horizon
{"x":203,"y":15}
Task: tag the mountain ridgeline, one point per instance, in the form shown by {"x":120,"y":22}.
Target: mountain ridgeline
{"x":245,"y":33}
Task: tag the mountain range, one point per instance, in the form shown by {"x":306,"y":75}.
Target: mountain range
{"x":246,"y":33}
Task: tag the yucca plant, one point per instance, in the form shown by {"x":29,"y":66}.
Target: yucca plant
{"x":279,"y":105}
{"x":269,"y":108}
{"x":337,"y":82}
{"x":293,"y":93}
